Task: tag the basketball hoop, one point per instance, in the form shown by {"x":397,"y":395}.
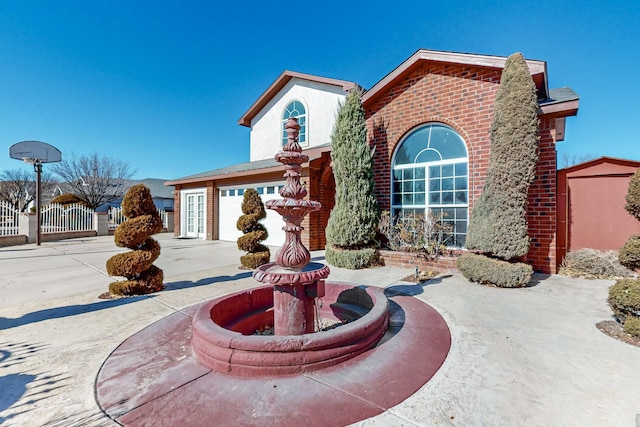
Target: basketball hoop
{"x":35,"y":153}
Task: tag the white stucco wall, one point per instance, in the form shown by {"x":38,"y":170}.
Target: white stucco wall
{"x":321,"y":102}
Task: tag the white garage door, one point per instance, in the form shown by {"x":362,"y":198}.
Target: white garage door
{"x":230,"y":204}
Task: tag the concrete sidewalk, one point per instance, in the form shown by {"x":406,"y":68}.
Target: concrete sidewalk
{"x":528,"y":356}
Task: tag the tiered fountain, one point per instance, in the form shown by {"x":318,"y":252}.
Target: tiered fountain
{"x":296,"y":298}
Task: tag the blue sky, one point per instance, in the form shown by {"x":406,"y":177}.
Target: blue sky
{"x":162,"y":84}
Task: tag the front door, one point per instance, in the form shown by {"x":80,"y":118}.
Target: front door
{"x":194,"y":215}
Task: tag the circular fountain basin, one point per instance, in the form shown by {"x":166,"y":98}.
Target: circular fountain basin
{"x":224,"y":331}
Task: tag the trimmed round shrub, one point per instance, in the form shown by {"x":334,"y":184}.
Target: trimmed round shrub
{"x":352,"y":259}
{"x":484,"y":270}
{"x":629,"y":254}
{"x":624,"y":298}
{"x":67,"y":199}
{"x":632,"y":326}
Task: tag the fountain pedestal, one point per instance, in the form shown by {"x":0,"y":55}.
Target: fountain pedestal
{"x":294,"y":293}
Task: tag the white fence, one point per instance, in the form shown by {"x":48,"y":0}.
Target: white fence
{"x":116,"y":217}
{"x":8,"y":219}
{"x":58,"y":218}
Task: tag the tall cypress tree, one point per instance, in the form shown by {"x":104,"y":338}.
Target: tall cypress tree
{"x":351,"y":229}
{"x":498,"y":223}
{"x":498,"y":227}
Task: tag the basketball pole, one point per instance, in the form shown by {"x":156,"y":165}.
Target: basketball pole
{"x":37,"y":167}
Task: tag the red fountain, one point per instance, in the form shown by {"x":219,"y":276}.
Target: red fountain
{"x":224,"y":330}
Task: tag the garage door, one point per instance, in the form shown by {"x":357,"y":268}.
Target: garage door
{"x":230,"y":204}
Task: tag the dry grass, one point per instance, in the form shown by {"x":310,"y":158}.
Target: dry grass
{"x":593,"y":264}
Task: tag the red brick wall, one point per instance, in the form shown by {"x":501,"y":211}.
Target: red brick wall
{"x":461,"y":97}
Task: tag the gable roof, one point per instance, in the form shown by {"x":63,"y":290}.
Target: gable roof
{"x":537,"y":68}
{"x":277,"y":86}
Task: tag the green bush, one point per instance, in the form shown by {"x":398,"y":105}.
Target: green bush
{"x":629,"y":254}
{"x":354,"y":218}
{"x":632,"y":326}
{"x":485,"y":270}
{"x":633,"y":196}
{"x":352,"y":259}
{"x":498,"y":223}
{"x":624,"y":298}
{"x":67,"y":199}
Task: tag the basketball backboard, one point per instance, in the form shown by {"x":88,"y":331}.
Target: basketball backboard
{"x":35,"y":152}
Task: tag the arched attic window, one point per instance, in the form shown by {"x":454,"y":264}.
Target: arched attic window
{"x":430,"y":174}
{"x":295,"y":109}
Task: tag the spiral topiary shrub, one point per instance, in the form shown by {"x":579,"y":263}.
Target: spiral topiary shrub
{"x":143,"y":220}
{"x":254,"y":232}
{"x":624,"y":299}
{"x":484,"y":270}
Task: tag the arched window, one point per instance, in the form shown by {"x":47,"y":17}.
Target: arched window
{"x":295,"y":109}
{"x":430,"y":174}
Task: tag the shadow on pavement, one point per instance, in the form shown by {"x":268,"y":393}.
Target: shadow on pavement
{"x":174,"y":286}
{"x":66,"y":311}
{"x":414,"y":289}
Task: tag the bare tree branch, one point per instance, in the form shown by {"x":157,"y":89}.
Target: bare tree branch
{"x":94,"y":179}
{"x":18,"y":187}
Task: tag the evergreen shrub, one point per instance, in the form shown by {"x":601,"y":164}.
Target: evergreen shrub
{"x":624,"y":298}
{"x":67,"y":199}
{"x":629,"y":254}
{"x":484,"y":270}
{"x":632,"y":326}
{"x":498,"y":221}
{"x":352,"y":259}
{"x":633,"y":196}
{"x":354,"y":219}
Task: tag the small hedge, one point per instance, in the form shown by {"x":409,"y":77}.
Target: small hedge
{"x":632,"y":326}
{"x":629,"y":254}
{"x":352,"y":259}
{"x":485,"y":270}
{"x":624,"y":298}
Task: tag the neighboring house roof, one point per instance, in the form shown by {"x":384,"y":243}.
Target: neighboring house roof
{"x":156,"y":186}
{"x":279,"y":83}
{"x":258,"y":167}
{"x":634,"y":164}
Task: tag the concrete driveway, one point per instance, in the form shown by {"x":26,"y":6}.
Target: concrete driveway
{"x":530,"y":357}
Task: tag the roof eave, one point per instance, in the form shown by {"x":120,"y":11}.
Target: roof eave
{"x":561,"y":109}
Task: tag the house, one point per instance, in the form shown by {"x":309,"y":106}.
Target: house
{"x":162,"y":194}
{"x":591,"y":200}
{"x":428,"y":121}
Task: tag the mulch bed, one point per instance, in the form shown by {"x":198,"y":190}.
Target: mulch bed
{"x":614,"y":330}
